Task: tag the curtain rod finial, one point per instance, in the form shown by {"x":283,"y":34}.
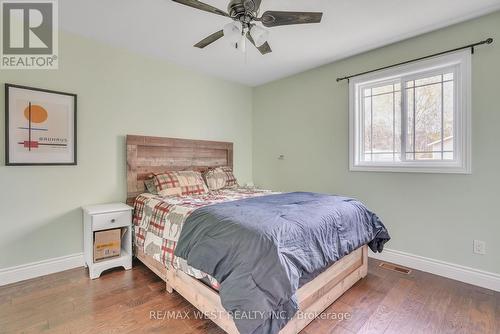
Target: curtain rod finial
{"x":489,"y":40}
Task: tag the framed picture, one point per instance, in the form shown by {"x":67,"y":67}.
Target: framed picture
{"x":40,"y":127}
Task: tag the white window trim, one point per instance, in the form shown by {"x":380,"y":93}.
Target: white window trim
{"x":461,"y":60}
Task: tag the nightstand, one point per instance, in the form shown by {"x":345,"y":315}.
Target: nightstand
{"x":106,"y":217}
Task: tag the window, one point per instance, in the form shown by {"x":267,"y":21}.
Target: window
{"x":412,"y":118}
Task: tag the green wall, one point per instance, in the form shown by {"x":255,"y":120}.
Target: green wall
{"x":119,"y":93}
{"x":305,"y":117}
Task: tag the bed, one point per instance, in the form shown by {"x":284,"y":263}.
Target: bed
{"x":146,"y":155}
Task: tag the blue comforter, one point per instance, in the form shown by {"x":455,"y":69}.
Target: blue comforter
{"x":261,"y":250}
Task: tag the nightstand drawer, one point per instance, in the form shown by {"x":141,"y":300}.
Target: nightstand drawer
{"x":106,"y":221}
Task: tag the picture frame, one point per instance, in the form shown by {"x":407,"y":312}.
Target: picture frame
{"x":40,"y":127}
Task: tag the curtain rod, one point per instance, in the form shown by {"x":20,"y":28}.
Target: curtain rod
{"x":470,"y":46}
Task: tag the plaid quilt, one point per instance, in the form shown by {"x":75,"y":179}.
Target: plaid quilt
{"x":158,"y":221}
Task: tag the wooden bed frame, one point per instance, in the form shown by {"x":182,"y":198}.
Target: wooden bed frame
{"x":154,"y":154}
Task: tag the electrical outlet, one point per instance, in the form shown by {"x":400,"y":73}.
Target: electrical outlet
{"x":479,"y":247}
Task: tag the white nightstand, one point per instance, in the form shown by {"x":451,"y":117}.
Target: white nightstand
{"x":105,"y":217}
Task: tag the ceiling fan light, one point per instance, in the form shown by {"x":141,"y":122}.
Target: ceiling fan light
{"x":232,"y":31}
{"x":241,"y":45}
{"x":259,"y":35}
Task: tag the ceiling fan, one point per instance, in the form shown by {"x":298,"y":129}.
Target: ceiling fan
{"x":244,"y":14}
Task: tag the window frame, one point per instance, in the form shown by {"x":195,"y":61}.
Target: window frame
{"x":460,"y":62}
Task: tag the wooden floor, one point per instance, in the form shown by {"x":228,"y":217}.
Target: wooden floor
{"x":124,"y":301}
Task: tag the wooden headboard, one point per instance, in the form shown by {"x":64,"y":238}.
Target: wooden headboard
{"x":147,"y":155}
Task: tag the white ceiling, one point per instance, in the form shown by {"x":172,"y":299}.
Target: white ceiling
{"x":164,"y":29}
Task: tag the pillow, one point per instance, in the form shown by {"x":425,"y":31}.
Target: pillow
{"x":150,"y":186}
{"x":220,"y":178}
{"x":179,"y":183}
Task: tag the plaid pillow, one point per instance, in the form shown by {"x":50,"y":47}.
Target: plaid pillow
{"x":220,"y":178}
{"x":179,"y":183}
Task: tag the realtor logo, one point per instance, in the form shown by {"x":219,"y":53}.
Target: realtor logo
{"x":29,"y":34}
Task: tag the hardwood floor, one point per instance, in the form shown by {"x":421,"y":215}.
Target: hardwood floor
{"x":135,"y":301}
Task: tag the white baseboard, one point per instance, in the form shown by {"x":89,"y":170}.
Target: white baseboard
{"x":40,"y":268}
{"x":450,"y":270}
{"x":457,"y":272}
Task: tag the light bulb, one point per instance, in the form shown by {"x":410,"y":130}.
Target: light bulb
{"x":232,"y":31}
{"x":259,"y":35}
{"x":242,"y":44}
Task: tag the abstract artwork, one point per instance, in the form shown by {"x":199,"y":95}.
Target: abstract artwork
{"x":40,"y":126}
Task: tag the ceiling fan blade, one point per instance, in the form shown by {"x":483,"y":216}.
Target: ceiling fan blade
{"x":276,"y":18}
{"x":210,"y":39}
{"x":252,"y":5}
{"x":202,"y":6}
{"x":264,"y":48}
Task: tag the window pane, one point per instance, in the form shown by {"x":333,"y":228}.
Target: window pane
{"x":448,"y":156}
{"x":409,"y":125}
{"x":368,"y":125}
{"x":397,"y":126}
{"x":383,"y":123}
{"x":428,"y":156}
{"x":430,"y":113}
{"x":448,"y":106}
{"x":383,"y":89}
{"x":383,"y":157}
{"x":428,"y":121}
{"x":427,"y":81}
{"x":448,"y":76}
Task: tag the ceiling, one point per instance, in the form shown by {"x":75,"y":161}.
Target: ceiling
{"x":167,"y":30}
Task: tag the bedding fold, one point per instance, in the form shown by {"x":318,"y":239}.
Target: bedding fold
{"x":263,"y":249}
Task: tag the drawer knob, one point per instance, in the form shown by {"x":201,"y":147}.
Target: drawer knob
{"x":113,"y":220}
